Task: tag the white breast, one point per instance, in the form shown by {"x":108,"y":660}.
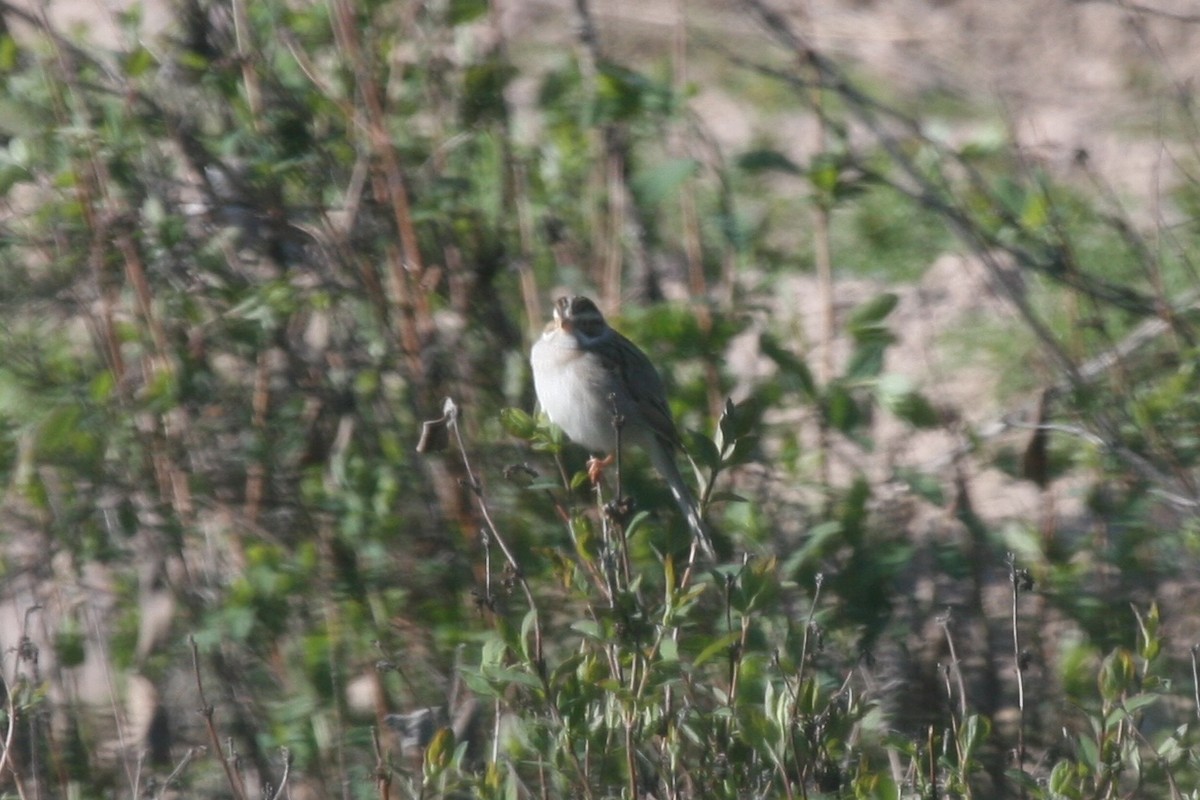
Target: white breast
{"x":572,"y":388}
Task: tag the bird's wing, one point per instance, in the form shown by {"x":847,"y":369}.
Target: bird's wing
{"x":646,"y":389}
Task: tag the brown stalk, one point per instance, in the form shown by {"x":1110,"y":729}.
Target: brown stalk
{"x":383,"y":772}
{"x":6,"y":760}
{"x":1017,"y":578}
{"x":241,"y":30}
{"x":630,"y":759}
{"x":529,"y":291}
{"x":1196,"y":679}
{"x":206,"y":711}
{"x":823,"y":257}
{"x":282,"y":791}
{"x":610,"y":276}
{"x":183,"y":764}
{"x":104,"y":211}
{"x":406,"y":266}
{"x":256,"y":471}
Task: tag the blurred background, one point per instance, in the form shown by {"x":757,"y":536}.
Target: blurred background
{"x":920,"y":278}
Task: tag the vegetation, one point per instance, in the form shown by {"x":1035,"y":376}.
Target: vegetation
{"x":269,"y":448}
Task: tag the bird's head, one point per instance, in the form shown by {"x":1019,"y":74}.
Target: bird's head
{"x":579,"y":316}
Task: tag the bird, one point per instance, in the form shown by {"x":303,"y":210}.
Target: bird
{"x":585,"y":374}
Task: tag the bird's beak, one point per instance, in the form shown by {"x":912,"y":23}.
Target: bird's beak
{"x":555,"y":323}
{"x":561,"y":322}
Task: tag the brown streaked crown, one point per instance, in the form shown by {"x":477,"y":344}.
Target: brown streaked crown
{"x":579,"y":314}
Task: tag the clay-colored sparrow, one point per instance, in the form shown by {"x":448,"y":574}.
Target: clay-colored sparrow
{"x":583,"y":370}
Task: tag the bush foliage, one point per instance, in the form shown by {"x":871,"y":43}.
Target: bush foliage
{"x":270,"y":452}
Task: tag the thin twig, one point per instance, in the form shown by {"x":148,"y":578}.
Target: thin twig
{"x":206,"y":710}
{"x":1018,"y":578}
{"x":6,"y":757}
{"x":383,"y":773}
{"x":241,"y":31}
{"x":1196,"y":679}
{"x":187,"y":759}
{"x":450,"y":411}
{"x":944,"y":621}
{"x":287,"y":768}
{"x":618,"y":519}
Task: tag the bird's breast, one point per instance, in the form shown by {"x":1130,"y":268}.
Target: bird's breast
{"x":572,"y":387}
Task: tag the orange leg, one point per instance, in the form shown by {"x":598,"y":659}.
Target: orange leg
{"x":595,"y":466}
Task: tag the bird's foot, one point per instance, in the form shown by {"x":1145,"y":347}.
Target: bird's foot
{"x":595,"y":466}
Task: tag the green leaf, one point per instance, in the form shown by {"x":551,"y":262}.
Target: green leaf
{"x":794,"y":374}
{"x":816,"y":543}
{"x":1036,"y":212}
{"x":1020,"y":776}
{"x":1089,"y":752}
{"x":439,"y":752}
{"x":1060,"y":779}
{"x":703,"y":450}
{"x":738,"y":420}
{"x":824,"y":173}
{"x":483,"y":91}
{"x":926,"y":486}
{"x":1139,"y":701}
{"x":621,"y":93}
{"x":896,"y":394}
{"x":69,"y":646}
{"x":11,"y":175}
{"x":138,"y":62}
{"x":717,"y":647}
{"x":1117,"y":674}
{"x":1172,"y":748}
{"x":528,"y":627}
{"x":508,"y":675}
{"x":18,"y":152}
{"x":518,"y":423}
{"x":764,"y":160}
{"x":757,"y":587}
{"x":493,"y":653}
{"x":655,"y":185}
{"x":743,"y":451}
{"x":974,"y":732}
{"x":461,"y":12}
{"x":866,"y":362}
{"x":479,"y":684}
{"x":8,"y":53}
{"x":589,"y":628}
{"x":840,"y":409}
{"x":872,"y":312}
{"x":65,"y":436}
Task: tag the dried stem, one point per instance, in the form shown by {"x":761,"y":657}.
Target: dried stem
{"x":6,"y":761}
{"x":383,"y":772}
{"x":1018,"y":578}
{"x":206,"y":710}
{"x":256,"y":470}
{"x":1196,"y":679}
{"x":407,"y":267}
{"x":955,"y":666}
{"x":183,"y":764}
{"x":450,"y":410}
{"x":283,"y":781}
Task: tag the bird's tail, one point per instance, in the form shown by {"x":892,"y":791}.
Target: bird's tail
{"x":664,"y":462}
